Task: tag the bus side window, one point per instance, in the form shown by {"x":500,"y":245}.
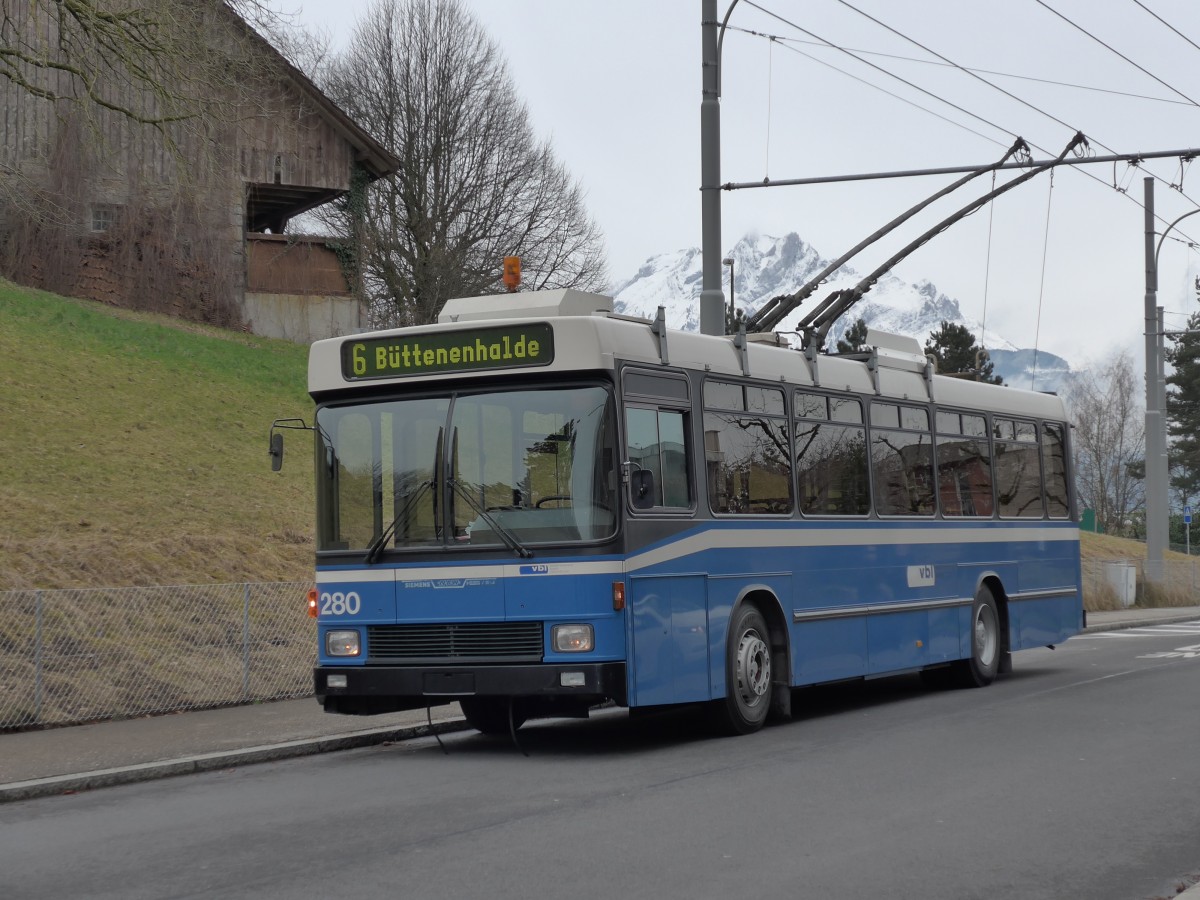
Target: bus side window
{"x":1054,"y":455}
{"x":657,"y":445}
{"x":747,"y":450}
{"x":964,"y":465}
{"x":831,"y":458}
{"x":902,"y":460}
{"x":1018,"y":469}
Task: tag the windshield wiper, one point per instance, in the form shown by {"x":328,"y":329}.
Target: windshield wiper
{"x":510,"y":539}
{"x":376,"y":546}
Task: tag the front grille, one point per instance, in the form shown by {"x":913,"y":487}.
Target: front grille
{"x":466,"y":642}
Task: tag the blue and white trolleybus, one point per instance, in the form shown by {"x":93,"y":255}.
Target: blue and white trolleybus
{"x":536,"y":506}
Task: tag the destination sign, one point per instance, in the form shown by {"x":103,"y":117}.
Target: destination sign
{"x":433,"y":353}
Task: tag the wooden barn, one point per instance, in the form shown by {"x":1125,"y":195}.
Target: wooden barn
{"x":174,"y":192}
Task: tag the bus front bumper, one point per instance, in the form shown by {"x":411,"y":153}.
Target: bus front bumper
{"x":376,"y":689}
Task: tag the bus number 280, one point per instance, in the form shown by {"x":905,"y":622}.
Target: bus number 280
{"x":339,"y":604}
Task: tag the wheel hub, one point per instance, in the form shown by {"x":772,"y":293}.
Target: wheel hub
{"x":985,"y":636}
{"x":753,"y":667}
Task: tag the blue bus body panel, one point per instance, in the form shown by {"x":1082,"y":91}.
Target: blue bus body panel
{"x":670,"y":639}
{"x":857,"y":599}
{"x":366,"y":599}
{"x":424,"y":596}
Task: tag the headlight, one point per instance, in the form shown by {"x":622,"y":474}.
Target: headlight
{"x":572,"y":638}
{"x":341,"y":643}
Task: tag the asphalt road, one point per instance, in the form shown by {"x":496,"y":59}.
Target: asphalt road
{"x":1078,"y":776}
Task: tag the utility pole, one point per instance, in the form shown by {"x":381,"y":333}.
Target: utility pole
{"x":1156,"y":434}
{"x":712,"y":298}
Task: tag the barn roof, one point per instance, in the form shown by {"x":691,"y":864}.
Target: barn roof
{"x":370,"y":153}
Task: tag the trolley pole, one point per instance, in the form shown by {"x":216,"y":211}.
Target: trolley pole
{"x":712,"y":298}
{"x":1156,"y":440}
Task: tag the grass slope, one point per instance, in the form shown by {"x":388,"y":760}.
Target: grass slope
{"x":134,"y":449}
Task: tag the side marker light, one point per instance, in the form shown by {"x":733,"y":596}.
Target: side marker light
{"x":618,"y":592}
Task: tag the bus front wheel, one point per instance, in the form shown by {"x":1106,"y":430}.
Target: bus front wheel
{"x":747,"y":674}
{"x":490,"y":715}
{"x":980,"y":669}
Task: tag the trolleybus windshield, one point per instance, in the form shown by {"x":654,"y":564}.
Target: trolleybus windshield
{"x":508,"y":468}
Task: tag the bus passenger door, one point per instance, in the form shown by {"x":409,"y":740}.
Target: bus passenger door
{"x":670,"y":639}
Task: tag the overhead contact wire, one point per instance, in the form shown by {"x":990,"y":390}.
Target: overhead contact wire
{"x":950,"y":62}
{"x":1168,"y":24}
{"x":893,"y":95}
{"x":1112,"y":49}
{"x":867,"y":62}
{"x":983,"y":80}
{"x":937,"y":62}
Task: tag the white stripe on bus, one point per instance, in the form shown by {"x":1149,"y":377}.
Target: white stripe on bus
{"x":745,"y":538}
{"x":715,"y":539}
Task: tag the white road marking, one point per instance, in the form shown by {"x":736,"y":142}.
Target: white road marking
{"x":1178,"y":629}
{"x":1178,"y":653}
{"x":1186,"y":629}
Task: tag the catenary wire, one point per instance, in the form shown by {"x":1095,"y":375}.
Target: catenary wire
{"x":1013,"y":96}
{"x":987,"y":269}
{"x":891,"y":94}
{"x":973,"y":75}
{"x":1111,"y":49}
{"x":1168,"y":24}
{"x":866,"y":62}
{"x":937,"y":62}
{"x":1037,"y":330}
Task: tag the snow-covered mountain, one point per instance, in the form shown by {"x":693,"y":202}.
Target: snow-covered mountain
{"x":765,"y":267}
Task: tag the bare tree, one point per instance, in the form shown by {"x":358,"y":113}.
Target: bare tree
{"x":1109,"y":442}
{"x":475,"y":184}
{"x":125,"y":56}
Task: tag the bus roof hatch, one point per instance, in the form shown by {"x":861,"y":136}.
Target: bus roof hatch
{"x":525,"y":305}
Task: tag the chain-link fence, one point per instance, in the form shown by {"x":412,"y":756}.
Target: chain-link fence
{"x":1121,"y":583}
{"x":70,"y":656}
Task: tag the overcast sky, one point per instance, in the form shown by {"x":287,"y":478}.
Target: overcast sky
{"x":616,"y":85}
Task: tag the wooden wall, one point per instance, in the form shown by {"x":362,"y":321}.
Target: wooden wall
{"x":256,"y":128}
{"x":281,"y":264}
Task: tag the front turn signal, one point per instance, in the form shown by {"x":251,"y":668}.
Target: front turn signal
{"x":313,"y":608}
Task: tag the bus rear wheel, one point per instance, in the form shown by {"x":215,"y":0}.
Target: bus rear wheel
{"x":747,"y":674}
{"x":986,"y":644}
{"x":490,"y":715}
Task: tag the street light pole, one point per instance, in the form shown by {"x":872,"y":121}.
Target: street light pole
{"x":1157,"y":514}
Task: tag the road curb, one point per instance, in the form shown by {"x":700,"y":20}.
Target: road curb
{"x":1141,"y":623}
{"x":207,"y":762}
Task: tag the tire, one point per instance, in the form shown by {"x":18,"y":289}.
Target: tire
{"x":987,"y":644}
{"x":489,"y":715}
{"x":748,"y":665}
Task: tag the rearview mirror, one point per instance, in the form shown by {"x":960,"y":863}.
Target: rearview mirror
{"x":641,"y":489}
{"x":276,"y":452}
